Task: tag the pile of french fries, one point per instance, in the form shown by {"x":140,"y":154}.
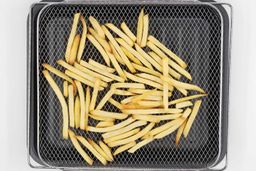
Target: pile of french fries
{"x":148,"y":110}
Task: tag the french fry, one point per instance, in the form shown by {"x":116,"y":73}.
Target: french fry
{"x":179,"y":133}
{"x":165,"y":84}
{"x":186,"y":98}
{"x":79,"y":148}
{"x":145,"y":31}
{"x":72,"y":35}
{"x":57,"y":72}
{"x":99,"y":150}
{"x":183,"y":91}
{"x":140,"y":26}
{"x":77,"y":112}
{"x":132,"y":138}
{"x":134,"y":106}
{"x":87,"y":106}
{"x":183,"y":104}
{"x":151,"y":111}
{"x":123,"y":92}
{"x":101,"y":41}
{"x":168,"y":117}
{"x":167,"y":51}
{"x":65,"y":88}
{"x":115,"y":103}
{"x":141,"y":91}
{"x":128,"y":32}
{"x":105,"y":98}
{"x":149,"y":97}
{"x":100,"y":118}
{"x":109,"y":114}
{"x":150,"y":104}
{"x":186,"y":113}
{"x":192,"y":117}
{"x":140,"y":144}
{"x":94,"y":95}
{"x":83,"y":39}
{"x":74,"y":50}
{"x":99,"y":48}
{"x":71,"y":106}
{"x":62,"y":100}
{"x":100,"y":66}
{"x":100,"y":71}
{"x":122,"y":136}
{"x":119,"y":50}
{"x":106,"y":149}
{"x":116,"y":66}
{"x":97,"y":27}
{"x":134,"y":52}
{"x":128,"y":85}
{"x":124,"y":148}
{"x":112,"y":128}
{"x":82,"y":104}
{"x":146,"y":70}
{"x":92,"y":149}
{"x":104,"y":124}
{"x":124,"y":129}
{"x":131,"y":56}
{"x":116,"y":55}
{"x":142,"y":96}
{"x":148,"y":118}
{"x":119,"y":33}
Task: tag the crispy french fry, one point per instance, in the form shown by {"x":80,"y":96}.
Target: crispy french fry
{"x":119,"y":33}
{"x":100,"y":66}
{"x":106,"y":149}
{"x":97,"y":27}
{"x":71,"y":106}
{"x":94,"y":95}
{"x":124,"y":129}
{"x":99,"y":150}
{"x":179,"y":133}
{"x":123,"y":93}
{"x":150,"y":104}
{"x":140,"y":26}
{"x":131,"y":56}
{"x":183,"y":91}
{"x":134,"y":52}
{"x":92,"y":149}
{"x":116,"y":55}
{"x":118,"y":49}
{"x":167,"y":51}
{"x":87,"y":106}
{"x":128,"y":85}
{"x":72,"y":35}
{"x":142,"y":96}
{"x":82,"y":104}
{"x":149,"y":97}
{"x":183,"y":104}
{"x":122,"y":136}
{"x":151,"y":111}
{"x":101,"y":41}
{"x":165,"y":84}
{"x":141,"y":144}
{"x":112,"y":128}
{"x":74,"y":50}
{"x":128,"y":32}
{"x":186,"y":98}
{"x":145,"y":31}
{"x":168,"y":117}
{"x":100,"y":118}
{"x":104,"y":124}
{"x":83,"y":39}
{"x":134,"y":106}
{"x":100,"y":71}
{"x":109,"y":114}
{"x":124,"y":148}
{"x":116,"y":66}
{"x":146,"y":70}
{"x":148,"y":118}
{"x":99,"y":48}
{"x":62,"y":100}
{"x":141,"y":91}
{"x":132,"y":138}
{"x":57,"y":72}
{"x":105,"y":98}
{"x":77,"y":112}
{"x":115,"y":103}
{"x":65,"y":88}
{"x":186,"y":113}
{"x":192,"y":117}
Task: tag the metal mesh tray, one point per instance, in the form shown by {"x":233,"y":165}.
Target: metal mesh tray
{"x":193,"y":31}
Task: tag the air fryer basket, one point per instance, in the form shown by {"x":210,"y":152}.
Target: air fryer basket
{"x":195,"y":31}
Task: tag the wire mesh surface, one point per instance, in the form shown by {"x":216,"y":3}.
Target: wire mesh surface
{"x":192,"y":31}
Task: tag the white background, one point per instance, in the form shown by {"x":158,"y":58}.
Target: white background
{"x":242,"y":115}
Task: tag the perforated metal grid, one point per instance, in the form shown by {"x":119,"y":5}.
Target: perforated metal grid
{"x":192,"y":31}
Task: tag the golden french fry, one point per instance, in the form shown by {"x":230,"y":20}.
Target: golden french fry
{"x":112,"y":128}
{"x":100,"y":71}
{"x":72,"y":35}
{"x":71,"y":106}
{"x":100,"y":66}
{"x":128,"y":32}
{"x":87,"y":106}
{"x":106,"y":149}
{"x":146,"y":70}
{"x":150,"y":104}
{"x":99,"y":48}
{"x":99,"y":150}
{"x":77,"y":112}
{"x":165,"y":84}
{"x":140,"y":26}
{"x":92,"y":149}
{"x":183,"y":104}
{"x":132,"y":138}
{"x":148,"y":118}
{"x":116,"y":66}
{"x":119,"y":33}
{"x":124,"y":148}
{"x":134,"y":52}
{"x":101,"y":41}
{"x":123,"y":93}
{"x":141,"y":91}
{"x":134,"y":106}
{"x":192,"y":117}
{"x":186,"y":98}
{"x":186,"y":113}
{"x":116,"y":55}
{"x":128,"y":85}
{"x":130,"y":56}
{"x":82,"y":104}
{"x":145,"y":31}
{"x":167,"y":51}
{"x":83,"y":39}
{"x":97,"y":27}
{"x":109,"y":114}
{"x":118,"y":49}
{"x":57,"y":72}
{"x":94,"y":95}
{"x":143,"y":96}
{"x":115,"y":103}
{"x":151,"y":111}
{"x":65,"y":88}
{"x":149,"y":97}
{"x":122,"y":136}
{"x":100,"y":118}
{"x":62,"y":100}
{"x":140,"y":144}
{"x":183,"y":91}
{"x":105,"y":98}
{"x":124,"y":129}
{"x":74,"y":50}
{"x":168,"y":117}
{"x":179,"y":133}
{"x":104,"y":124}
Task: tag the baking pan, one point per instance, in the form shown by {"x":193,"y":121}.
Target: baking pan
{"x":199,"y":32}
